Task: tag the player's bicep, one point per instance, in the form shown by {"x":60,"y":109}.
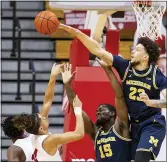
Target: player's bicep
{"x":89,"y":126}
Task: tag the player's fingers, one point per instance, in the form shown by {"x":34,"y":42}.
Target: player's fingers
{"x":76,"y":97}
{"x":65,"y":67}
{"x":73,"y":74}
{"x":143,"y":97}
{"x":74,"y":101}
{"x":98,"y":60}
{"x":142,"y":94}
{"x":70,"y":67}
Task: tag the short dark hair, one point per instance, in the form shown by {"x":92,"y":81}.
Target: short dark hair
{"x":9,"y":129}
{"x":111,"y":108}
{"x":14,"y":126}
{"x":151,"y":47}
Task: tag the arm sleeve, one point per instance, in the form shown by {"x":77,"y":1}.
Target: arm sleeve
{"x":120,"y":65}
{"x":161,"y":80}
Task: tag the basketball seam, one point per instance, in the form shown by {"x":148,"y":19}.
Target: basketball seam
{"x":47,"y":24}
{"x":38,"y":18}
{"x":49,"y":20}
{"x":42,"y":21}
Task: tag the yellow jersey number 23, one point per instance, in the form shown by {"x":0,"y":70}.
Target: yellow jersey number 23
{"x":133,"y":91}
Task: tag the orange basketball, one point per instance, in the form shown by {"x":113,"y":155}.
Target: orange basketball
{"x":46,"y":22}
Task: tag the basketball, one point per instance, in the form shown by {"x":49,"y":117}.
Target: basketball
{"x":46,"y":22}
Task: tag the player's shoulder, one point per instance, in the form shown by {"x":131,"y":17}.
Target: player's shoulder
{"x":158,"y":72}
{"x":15,"y":149}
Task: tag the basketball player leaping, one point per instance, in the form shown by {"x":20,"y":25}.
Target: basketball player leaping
{"x":22,"y":149}
{"x":110,"y":135}
{"x":45,"y":144}
{"x":140,"y":75}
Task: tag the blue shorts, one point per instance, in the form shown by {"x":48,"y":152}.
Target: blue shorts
{"x":148,"y":135}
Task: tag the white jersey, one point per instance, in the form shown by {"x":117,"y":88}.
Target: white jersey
{"x":41,"y":154}
{"x":27,"y":146}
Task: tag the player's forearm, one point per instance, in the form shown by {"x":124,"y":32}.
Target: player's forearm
{"x":79,"y":129}
{"x":157,"y":103}
{"x":92,"y":45}
{"x":102,"y":18}
{"x":49,"y":95}
{"x":114,"y":82}
{"x":70,"y":93}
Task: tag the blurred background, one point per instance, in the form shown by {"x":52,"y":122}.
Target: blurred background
{"x":27,"y":56}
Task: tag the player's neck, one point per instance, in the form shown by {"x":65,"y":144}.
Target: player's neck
{"x":21,"y":137}
{"x":44,"y":132}
{"x":142,"y":66}
{"x":106,"y":127}
{"x":14,"y":140}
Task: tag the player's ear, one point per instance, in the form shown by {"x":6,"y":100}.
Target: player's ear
{"x":40,"y":129}
{"x":146,"y":57}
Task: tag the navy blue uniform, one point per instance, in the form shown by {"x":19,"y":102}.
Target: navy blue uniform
{"x":147,"y":124}
{"x":111,"y":147}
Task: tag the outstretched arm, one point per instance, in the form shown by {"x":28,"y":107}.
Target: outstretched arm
{"x":102,"y":19}
{"x":121,"y":124}
{"x":162,"y":103}
{"x":121,"y":108}
{"x":89,"y":126}
{"x":56,"y":139}
{"x":49,"y":94}
{"x":92,"y":45}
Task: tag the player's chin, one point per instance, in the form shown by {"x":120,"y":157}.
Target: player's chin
{"x":98,"y":122}
{"x":133,"y":63}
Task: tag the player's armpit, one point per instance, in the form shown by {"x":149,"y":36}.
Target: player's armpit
{"x":106,"y":56}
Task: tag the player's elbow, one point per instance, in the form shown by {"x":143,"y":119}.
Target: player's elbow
{"x":79,"y":135}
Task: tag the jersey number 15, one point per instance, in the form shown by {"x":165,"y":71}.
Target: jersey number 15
{"x":105,"y":151}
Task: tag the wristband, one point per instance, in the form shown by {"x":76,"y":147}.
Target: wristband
{"x":77,"y":110}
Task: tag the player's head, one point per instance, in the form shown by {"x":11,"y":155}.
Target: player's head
{"x":146,"y":51}
{"x":32,"y":123}
{"x":105,"y":113}
{"x":10,"y":130}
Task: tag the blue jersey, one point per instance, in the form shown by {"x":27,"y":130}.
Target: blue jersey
{"x":111,"y":147}
{"x":151,"y":81}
